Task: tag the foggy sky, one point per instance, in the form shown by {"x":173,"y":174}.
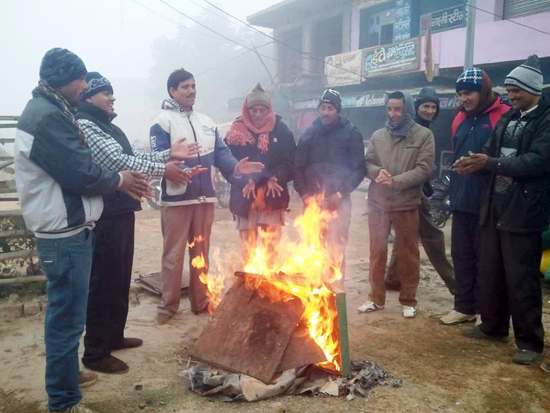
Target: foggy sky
{"x":113,"y":37}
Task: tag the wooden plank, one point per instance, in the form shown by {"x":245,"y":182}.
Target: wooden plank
{"x":343,"y":337}
{"x":10,"y":213}
{"x":4,"y":117}
{"x":8,"y":125}
{"x":301,"y":351}
{"x":8,"y":190}
{"x":248,"y":334}
{"x":23,"y":279}
{"x":7,"y":140}
{"x":12,"y":255}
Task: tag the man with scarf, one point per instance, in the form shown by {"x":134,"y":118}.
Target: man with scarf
{"x":513,"y":215}
{"x":114,"y":232}
{"x":400,"y":158}
{"x":261,"y":200}
{"x":328,"y":166}
{"x":60,"y":191}
{"x":432,"y":238}
{"x":471,"y":129}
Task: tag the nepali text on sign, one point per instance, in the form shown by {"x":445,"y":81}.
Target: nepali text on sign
{"x":394,"y":58}
{"x":447,"y":19}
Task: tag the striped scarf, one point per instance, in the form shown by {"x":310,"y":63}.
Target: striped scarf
{"x":68,"y":110}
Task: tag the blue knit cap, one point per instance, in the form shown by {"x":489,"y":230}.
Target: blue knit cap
{"x":60,"y":67}
{"x":470,"y":80}
{"x":96,"y":84}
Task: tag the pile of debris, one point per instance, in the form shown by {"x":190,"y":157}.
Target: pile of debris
{"x":209,"y":381}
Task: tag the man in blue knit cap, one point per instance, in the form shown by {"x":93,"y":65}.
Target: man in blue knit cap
{"x":513,"y":215}
{"x":471,"y":130}
{"x":60,"y":190}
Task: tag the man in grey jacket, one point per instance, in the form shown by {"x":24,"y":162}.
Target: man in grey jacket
{"x":400,"y":158}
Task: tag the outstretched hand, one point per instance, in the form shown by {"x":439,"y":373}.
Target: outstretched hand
{"x":273,"y":187}
{"x":244,"y":167}
{"x":135,"y":184}
{"x":182,"y":150}
{"x":469,"y":164}
{"x":249,"y":189}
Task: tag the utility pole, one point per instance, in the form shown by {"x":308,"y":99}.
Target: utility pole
{"x":470,"y":34}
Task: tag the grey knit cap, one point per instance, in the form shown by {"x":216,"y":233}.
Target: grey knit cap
{"x":257,"y":96}
{"x":60,"y":67}
{"x":527,"y":76}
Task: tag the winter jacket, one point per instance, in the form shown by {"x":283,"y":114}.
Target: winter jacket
{"x":117,"y":202}
{"x":471,"y":133}
{"x":409,"y":160}
{"x":59,"y":186}
{"x":329,"y":160}
{"x":278,"y":162}
{"x":529,"y":202}
{"x":173,"y":124}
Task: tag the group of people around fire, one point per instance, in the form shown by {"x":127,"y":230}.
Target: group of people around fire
{"x":80,"y":183}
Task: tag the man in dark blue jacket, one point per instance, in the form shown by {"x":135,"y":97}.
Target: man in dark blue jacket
{"x":514,"y":213}
{"x":60,"y":191}
{"x":471,"y":130}
{"x":329,"y":161}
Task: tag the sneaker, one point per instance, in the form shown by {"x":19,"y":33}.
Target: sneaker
{"x":86,"y":379}
{"x":475,"y":332}
{"x":545,"y":367}
{"x":78,"y":408}
{"x":455,"y":317}
{"x":409,"y":312}
{"x":107,"y":365}
{"x":478,"y":320}
{"x":162,"y":318}
{"x":527,"y":357}
{"x":129,"y":343}
{"x":369,"y":307}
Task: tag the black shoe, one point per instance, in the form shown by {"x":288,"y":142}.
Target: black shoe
{"x":475,"y":332}
{"x":393,"y":286}
{"x":107,"y":365}
{"x":129,"y":343}
{"x":527,"y":357}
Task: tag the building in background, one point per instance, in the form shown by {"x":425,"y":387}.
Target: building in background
{"x":366,"y":48}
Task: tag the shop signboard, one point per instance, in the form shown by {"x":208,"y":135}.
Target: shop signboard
{"x":447,"y":19}
{"x":402,"y":25}
{"x":394,"y":58}
{"x":343,"y":69}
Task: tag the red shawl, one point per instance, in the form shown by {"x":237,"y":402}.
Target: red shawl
{"x":240,"y":133}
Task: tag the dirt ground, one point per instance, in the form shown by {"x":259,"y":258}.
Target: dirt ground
{"x":442,"y":371}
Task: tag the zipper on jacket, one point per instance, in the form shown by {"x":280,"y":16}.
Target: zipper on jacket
{"x":202,"y":198}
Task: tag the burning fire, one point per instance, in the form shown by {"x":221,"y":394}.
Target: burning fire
{"x":303,"y":269}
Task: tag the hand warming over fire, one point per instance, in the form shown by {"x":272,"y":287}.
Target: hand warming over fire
{"x":332,"y":203}
{"x":469,"y":164}
{"x":244,"y":167}
{"x":384,"y":178}
{"x":182,"y":150}
{"x":249,"y":189}
{"x":273,"y":188}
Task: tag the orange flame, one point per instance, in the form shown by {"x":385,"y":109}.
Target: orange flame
{"x":303,"y":269}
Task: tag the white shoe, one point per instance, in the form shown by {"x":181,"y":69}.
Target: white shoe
{"x":409,"y":312}
{"x":478,"y":320}
{"x":455,"y":317}
{"x":369,"y":307}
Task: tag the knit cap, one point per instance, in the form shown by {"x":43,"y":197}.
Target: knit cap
{"x":96,"y":84}
{"x":332,"y":97}
{"x":257,"y":96}
{"x":60,"y":67}
{"x":470,"y":79}
{"x":527,"y":76}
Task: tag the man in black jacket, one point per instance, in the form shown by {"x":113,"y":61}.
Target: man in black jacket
{"x":432,"y":238}
{"x":60,"y":191}
{"x":260,"y":200}
{"x":114,"y":232}
{"x":329,"y":163}
{"x":513,"y":216}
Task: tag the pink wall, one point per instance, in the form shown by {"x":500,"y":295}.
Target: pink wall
{"x":495,"y":41}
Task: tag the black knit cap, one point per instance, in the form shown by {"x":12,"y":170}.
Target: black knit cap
{"x":428,"y":94}
{"x":96,"y":84}
{"x":332,"y":97}
{"x":60,"y":67}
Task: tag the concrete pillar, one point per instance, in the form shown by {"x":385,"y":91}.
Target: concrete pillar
{"x":346,"y":31}
{"x":307,"y":48}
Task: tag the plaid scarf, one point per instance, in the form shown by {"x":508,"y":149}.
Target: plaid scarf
{"x":45,"y":88}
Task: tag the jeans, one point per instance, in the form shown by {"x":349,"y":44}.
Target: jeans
{"x":67,"y":263}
